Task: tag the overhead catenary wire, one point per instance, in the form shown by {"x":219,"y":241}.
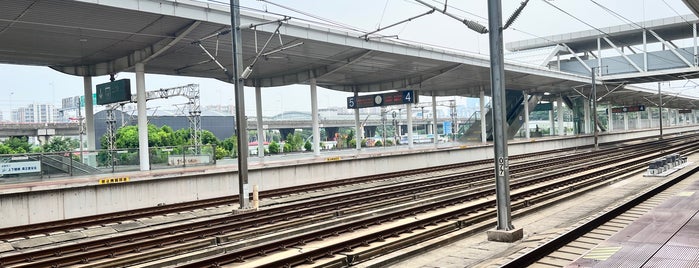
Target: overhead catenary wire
{"x":471,"y":24}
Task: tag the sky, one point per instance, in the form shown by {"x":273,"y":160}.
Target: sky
{"x":539,"y":18}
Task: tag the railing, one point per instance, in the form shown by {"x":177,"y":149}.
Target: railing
{"x":75,"y":163}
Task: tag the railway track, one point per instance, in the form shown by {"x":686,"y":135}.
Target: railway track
{"x":201,"y":232}
{"x":476,"y":212}
{"x":45,"y":228}
{"x":597,"y":229}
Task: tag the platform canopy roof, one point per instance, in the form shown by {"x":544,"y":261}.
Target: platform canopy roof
{"x":90,"y":38}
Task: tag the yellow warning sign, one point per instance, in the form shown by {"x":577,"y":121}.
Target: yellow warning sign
{"x":335,"y":158}
{"x":114,"y":180}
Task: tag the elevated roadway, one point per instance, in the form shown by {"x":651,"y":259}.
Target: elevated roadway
{"x":39,"y":129}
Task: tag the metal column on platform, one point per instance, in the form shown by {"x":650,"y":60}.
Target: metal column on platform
{"x":409,"y":116}
{"x":526,"y":115}
{"x":260,"y":127}
{"x":144,"y":161}
{"x":484,"y":135}
{"x":505,"y":231}
{"x":240,"y":121}
{"x":357,"y":136}
{"x":89,"y":113}
{"x":559,"y":104}
{"x":435,"y":133}
{"x":314,"y":116}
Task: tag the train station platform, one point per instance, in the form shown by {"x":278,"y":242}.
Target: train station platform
{"x":666,"y":236}
{"x":71,"y":197}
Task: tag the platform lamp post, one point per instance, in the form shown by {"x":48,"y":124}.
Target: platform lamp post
{"x":240,"y":122}
{"x":505,"y":231}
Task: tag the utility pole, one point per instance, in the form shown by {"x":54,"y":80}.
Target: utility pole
{"x":505,"y":231}
{"x":240,"y":121}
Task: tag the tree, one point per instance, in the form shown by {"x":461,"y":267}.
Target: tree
{"x":60,"y":144}
{"x":231,"y":145}
{"x":274,"y":147}
{"x":208,"y":137}
{"x":221,"y":153}
{"x":308,"y":146}
{"x":18,"y":145}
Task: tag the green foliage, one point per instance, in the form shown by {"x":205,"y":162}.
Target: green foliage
{"x":274,"y":147}
{"x":288,"y":147}
{"x":60,"y":144}
{"x":308,"y":146}
{"x":295,"y":142}
{"x":351,"y":142}
{"x":231,"y":145}
{"x":4,"y":149}
{"x":363,"y":143}
{"x":221,"y":152}
{"x":208,"y":137}
{"x":378,"y":144}
{"x":389,"y":143}
{"x":18,"y":145}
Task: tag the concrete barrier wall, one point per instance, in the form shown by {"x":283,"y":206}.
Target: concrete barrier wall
{"x":54,"y":200}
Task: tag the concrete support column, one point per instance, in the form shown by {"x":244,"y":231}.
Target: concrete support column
{"x":435,"y":133}
{"x":484,"y":135}
{"x":610,"y":117}
{"x":638,"y":120}
{"x":526,"y":115}
{"x":588,"y":117}
{"x":409,"y":115}
{"x":561,"y":129}
{"x":650,"y":118}
{"x":358,"y":128}
{"x":626,"y":121}
{"x":142,"y":117}
{"x":314,"y":116}
{"x":552,"y":129}
{"x":260,"y":127}
{"x":89,"y":113}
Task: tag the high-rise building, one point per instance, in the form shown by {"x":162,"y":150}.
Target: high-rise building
{"x":35,"y":113}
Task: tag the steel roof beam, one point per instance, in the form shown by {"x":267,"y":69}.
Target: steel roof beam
{"x":623,"y":54}
{"x":669,"y":46}
{"x":127,"y":62}
{"x":577,"y":57}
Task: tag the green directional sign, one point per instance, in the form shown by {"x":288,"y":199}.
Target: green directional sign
{"x":115,"y":91}
{"x":94,"y":100}
{"x":543,"y":107}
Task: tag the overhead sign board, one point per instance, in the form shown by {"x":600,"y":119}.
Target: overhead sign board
{"x":115,"y":91}
{"x":94,"y":100}
{"x":628,"y":109}
{"x":543,"y":107}
{"x":383,"y":99}
{"x":684,"y":111}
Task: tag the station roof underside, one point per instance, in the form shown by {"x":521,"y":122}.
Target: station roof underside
{"x":86,"y":39}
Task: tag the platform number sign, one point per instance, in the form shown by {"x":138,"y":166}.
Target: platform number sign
{"x":351,"y":103}
{"x":383,"y":99}
{"x":407,"y":96}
